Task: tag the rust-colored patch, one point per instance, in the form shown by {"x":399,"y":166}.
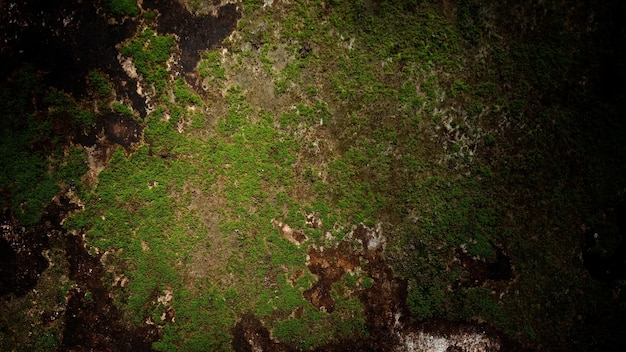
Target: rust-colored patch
{"x":329,"y":264}
{"x":297,"y":313}
{"x":387,"y":317}
{"x":385,"y":300}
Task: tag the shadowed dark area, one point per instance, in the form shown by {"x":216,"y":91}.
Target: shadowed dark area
{"x":605,"y":249}
{"x":92,"y":321}
{"x":480,"y":270}
{"x":114,"y":129}
{"x":196,"y":33}
{"x":64,"y":39}
{"x":21,"y":261}
{"x":61,"y":42}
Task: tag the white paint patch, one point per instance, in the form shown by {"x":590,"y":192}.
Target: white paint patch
{"x":166,"y":298}
{"x":129,"y":68}
{"x":466,"y":341}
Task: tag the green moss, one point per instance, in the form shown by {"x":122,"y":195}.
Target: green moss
{"x":211,"y":66}
{"x":122,"y":7}
{"x":364,"y":145}
{"x":99,"y":84}
{"x":122,"y":109}
{"x":63,"y":107}
{"x":183,"y":95}
{"x":427,"y":299}
{"x":149,"y":53}
{"x":367,"y":282}
{"x":73,"y":167}
{"x":238,"y":112}
{"x":29,"y":176}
